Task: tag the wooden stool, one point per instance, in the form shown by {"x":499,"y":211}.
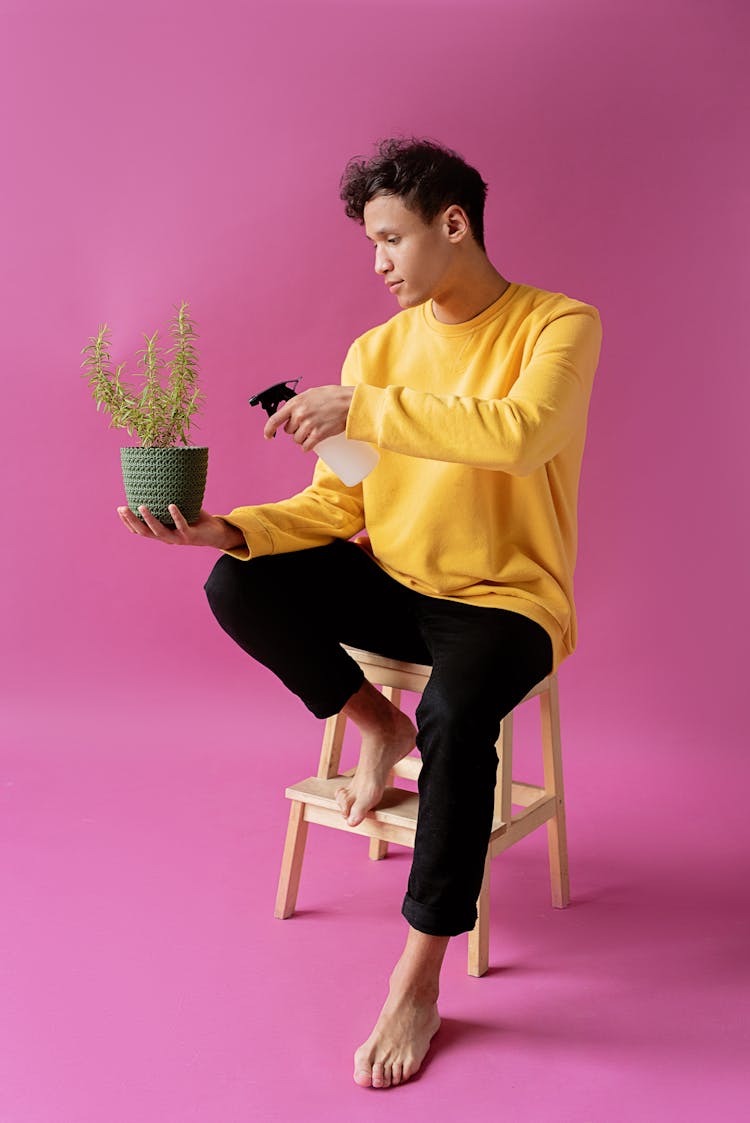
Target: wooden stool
{"x":395,"y":817}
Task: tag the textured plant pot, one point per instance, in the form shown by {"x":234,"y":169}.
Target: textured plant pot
{"x":156,"y":477}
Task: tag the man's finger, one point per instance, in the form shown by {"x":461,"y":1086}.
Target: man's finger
{"x":133,"y":523}
{"x":158,"y":529}
{"x":178,"y":518}
{"x":277,"y":420}
{"x":126,"y":518}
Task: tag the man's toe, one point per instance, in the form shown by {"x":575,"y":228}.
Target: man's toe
{"x":355,"y":816}
{"x":343,"y":799}
{"x":362,"y":1076}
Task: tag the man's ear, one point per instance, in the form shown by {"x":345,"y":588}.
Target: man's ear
{"x":455,"y":223}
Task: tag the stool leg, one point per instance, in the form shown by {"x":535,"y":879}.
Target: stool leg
{"x":333,"y":740}
{"x":504,"y":782}
{"x":479,"y":937}
{"x":291,"y":863}
{"x":378,"y":848}
{"x":557,"y":840}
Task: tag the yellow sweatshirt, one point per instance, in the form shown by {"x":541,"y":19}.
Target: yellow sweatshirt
{"x":481,"y":429}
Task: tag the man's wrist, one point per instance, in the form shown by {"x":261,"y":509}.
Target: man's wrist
{"x":233,"y":537}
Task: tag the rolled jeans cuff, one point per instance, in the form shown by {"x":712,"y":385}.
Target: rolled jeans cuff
{"x":434,"y":923}
{"x":331,"y":697}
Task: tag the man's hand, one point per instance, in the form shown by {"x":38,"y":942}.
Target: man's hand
{"x":209,"y":530}
{"x":312,"y":416}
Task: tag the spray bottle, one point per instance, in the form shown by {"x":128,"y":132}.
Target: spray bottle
{"x":350,"y":460}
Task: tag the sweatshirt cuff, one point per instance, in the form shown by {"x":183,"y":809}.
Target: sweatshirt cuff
{"x":257,"y":539}
{"x":365,"y":416}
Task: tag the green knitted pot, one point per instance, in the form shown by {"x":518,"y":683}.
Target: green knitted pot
{"x":156,"y":477}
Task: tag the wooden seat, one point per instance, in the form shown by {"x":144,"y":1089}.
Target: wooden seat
{"x":395,"y":817}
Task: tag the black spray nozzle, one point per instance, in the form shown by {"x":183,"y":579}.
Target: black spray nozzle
{"x":271,"y":399}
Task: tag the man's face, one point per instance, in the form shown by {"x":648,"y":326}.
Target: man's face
{"x":413,"y":257}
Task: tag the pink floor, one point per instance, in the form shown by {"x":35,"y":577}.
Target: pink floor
{"x":145,"y":980}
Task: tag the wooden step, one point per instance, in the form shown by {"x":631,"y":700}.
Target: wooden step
{"x":397,"y":808}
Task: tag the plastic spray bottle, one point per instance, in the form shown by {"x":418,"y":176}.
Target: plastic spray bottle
{"x":350,"y":460}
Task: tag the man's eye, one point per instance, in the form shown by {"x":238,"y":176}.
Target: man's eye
{"x":393,"y":241}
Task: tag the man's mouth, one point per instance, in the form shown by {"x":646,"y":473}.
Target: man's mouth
{"x":393,"y":285}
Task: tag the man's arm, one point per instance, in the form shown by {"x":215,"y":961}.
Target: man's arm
{"x":325,"y":510}
{"x":516,"y":434}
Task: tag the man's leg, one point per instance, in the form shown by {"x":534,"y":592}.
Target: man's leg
{"x":485,"y":661}
{"x":292,"y":611}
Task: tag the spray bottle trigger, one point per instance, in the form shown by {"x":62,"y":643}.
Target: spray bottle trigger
{"x":271,"y":398}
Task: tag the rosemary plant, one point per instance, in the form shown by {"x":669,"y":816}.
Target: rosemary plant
{"x":159,"y":415}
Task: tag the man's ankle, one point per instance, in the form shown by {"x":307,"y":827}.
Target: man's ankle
{"x":423,"y":986}
{"x":369,"y":709}
{"x":423,"y":991}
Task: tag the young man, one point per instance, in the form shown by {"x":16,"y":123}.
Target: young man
{"x":476,"y":395}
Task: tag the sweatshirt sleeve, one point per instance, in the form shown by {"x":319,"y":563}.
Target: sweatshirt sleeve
{"x":325,"y":510}
{"x":515,"y":434}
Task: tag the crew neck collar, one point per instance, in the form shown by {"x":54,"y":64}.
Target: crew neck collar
{"x":476,"y":321}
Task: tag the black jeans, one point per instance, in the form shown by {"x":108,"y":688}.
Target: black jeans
{"x":292,"y":611}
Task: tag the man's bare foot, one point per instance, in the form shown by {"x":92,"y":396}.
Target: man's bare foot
{"x":409,"y":1019}
{"x":399,"y":1042}
{"x":387,"y":736}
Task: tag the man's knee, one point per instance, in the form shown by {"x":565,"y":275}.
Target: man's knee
{"x":455,"y":713}
{"x":258,"y":585}
{"x":457,"y":737}
{"x":224,"y":586}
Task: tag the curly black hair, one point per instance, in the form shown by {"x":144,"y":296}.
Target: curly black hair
{"x":426,"y":176}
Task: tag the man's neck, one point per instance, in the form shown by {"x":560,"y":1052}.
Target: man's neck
{"x":470,"y":298}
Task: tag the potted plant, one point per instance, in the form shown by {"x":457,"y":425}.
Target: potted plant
{"x":159,"y":471}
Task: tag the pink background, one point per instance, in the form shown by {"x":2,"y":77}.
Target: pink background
{"x":166,"y":152}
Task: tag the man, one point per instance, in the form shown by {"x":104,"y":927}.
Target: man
{"x":476,"y":395}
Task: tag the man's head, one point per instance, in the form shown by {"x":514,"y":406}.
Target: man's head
{"x":420,"y":203}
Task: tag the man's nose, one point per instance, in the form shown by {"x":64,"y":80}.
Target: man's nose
{"x":382,"y":261}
